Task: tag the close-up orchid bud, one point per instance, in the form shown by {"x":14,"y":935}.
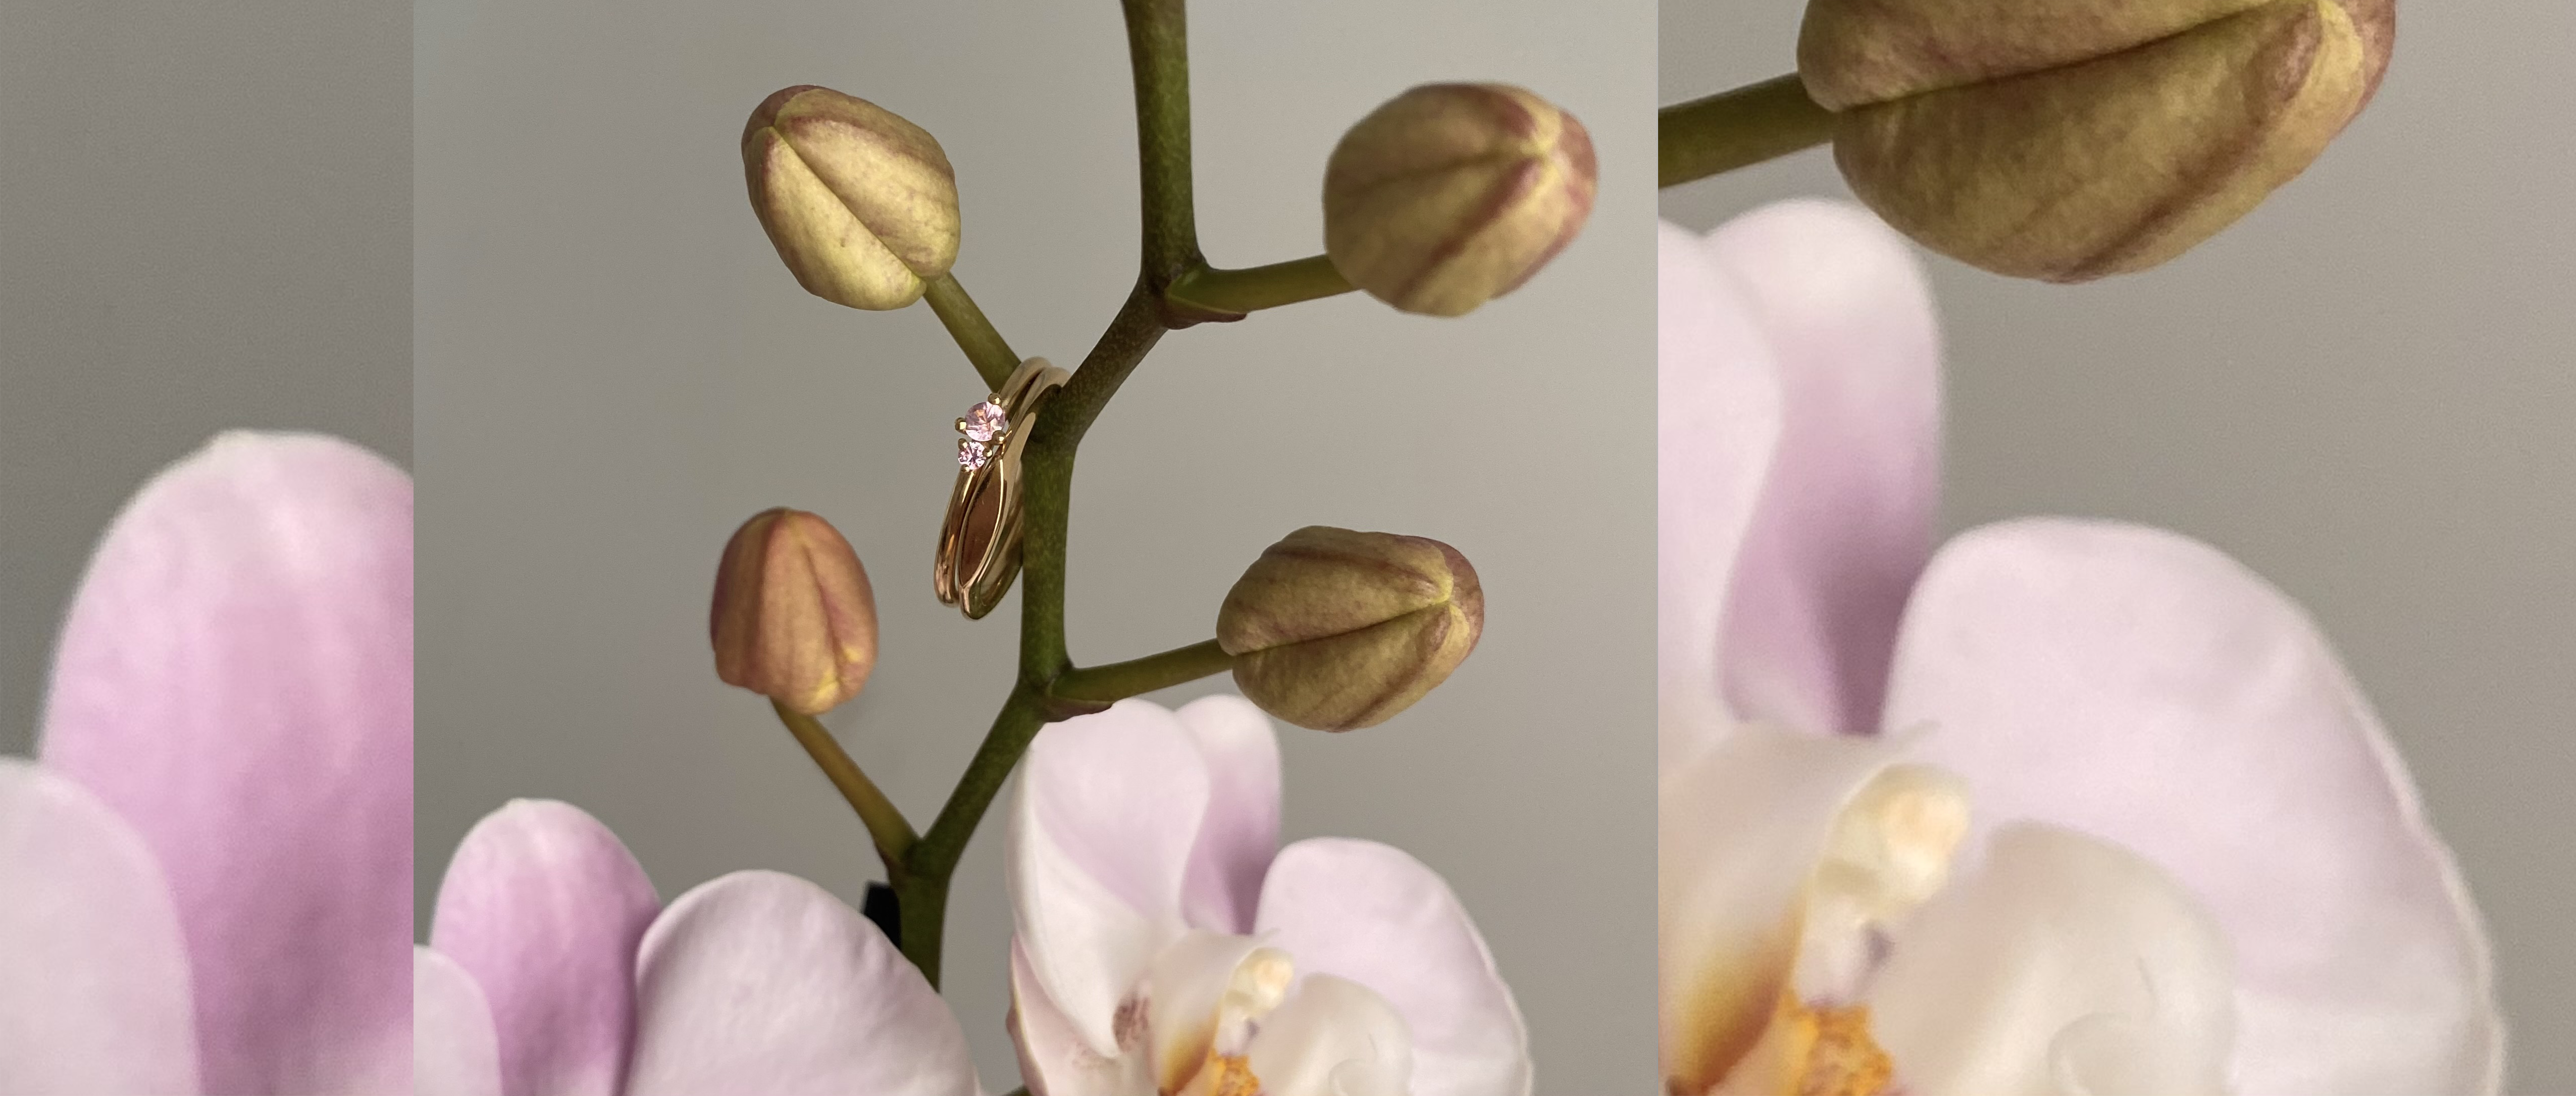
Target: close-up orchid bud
{"x":860,"y":203}
{"x":794,"y":618}
{"x":1450,"y":195}
{"x":2070,"y":140}
{"x":1335,"y":630}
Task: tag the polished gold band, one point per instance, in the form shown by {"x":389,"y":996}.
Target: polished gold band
{"x":979,"y":541}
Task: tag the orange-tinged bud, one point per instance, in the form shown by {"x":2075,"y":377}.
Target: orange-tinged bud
{"x":794,"y":619}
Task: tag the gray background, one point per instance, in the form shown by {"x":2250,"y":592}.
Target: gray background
{"x":614,"y":371}
{"x":205,"y":215}
{"x":2361,"y":391}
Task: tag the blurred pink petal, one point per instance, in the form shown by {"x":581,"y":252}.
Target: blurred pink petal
{"x":93,"y":978}
{"x":1375,"y":915}
{"x":2127,"y":682}
{"x":2140,"y":686}
{"x":1845,"y":517}
{"x":1241,"y":829}
{"x":762,"y":984}
{"x":545,"y":908}
{"x":1101,"y":837}
{"x":1717,"y":420}
{"x":454,"y":1049}
{"x":235,"y":681}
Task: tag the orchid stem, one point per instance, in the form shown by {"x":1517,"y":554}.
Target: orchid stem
{"x":983,"y":344}
{"x":1137,"y":676}
{"x":1158,"y":50}
{"x":1252,"y":289}
{"x":893,"y":835}
{"x":922,"y":896}
{"x":1158,"y":45}
{"x":1738,"y":128}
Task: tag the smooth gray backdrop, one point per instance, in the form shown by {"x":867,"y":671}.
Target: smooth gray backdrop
{"x":614,"y":371}
{"x":2362,"y":391}
{"x":205,"y":224}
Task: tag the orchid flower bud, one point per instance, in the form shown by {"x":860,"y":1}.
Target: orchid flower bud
{"x":860,"y":203}
{"x":1453,"y":194}
{"x":794,"y":619}
{"x":1334,"y":630}
{"x":2069,"y":139}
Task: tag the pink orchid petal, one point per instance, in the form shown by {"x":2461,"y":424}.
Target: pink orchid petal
{"x":762,"y":984}
{"x":1717,"y":418}
{"x":454,"y":1049}
{"x":1100,"y":840}
{"x":1845,"y":520}
{"x":1375,"y":915}
{"x":1054,"y":1059}
{"x":545,"y":908}
{"x":235,"y":680}
{"x":2142,"y":687}
{"x":1241,"y":831}
{"x":2063,"y":959}
{"x":93,"y":976}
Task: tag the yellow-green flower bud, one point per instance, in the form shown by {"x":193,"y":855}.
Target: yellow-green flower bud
{"x":861,"y":204}
{"x":1335,"y":630}
{"x":2070,"y":139}
{"x":794,"y":618}
{"x":1451,"y":195}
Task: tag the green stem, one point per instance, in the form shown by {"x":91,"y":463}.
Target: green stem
{"x":1138,"y":676}
{"x":922,"y":894}
{"x":886,"y":825}
{"x":1158,"y":43}
{"x":1252,"y":289}
{"x":1158,"y":48}
{"x":975,"y":335}
{"x":921,"y":910}
{"x":1738,"y":128}
{"x":1047,"y":516}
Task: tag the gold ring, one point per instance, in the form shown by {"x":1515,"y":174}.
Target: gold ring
{"x":979,"y":541}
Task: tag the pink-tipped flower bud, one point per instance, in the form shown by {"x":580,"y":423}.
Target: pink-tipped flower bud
{"x":2066,"y":140}
{"x":1335,"y":630}
{"x":1451,"y":195}
{"x":860,"y":203}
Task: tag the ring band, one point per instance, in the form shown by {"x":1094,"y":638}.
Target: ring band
{"x":979,"y":540}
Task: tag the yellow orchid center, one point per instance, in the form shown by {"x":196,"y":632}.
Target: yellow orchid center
{"x":1226,"y":1075}
{"x":1810,"y":1050}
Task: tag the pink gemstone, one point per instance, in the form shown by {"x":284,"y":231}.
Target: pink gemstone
{"x":984,"y":421}
{"x":972,"y":455}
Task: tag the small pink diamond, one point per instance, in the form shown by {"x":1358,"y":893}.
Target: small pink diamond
{"x":972,"y":455}
{"x":984,"y":421}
